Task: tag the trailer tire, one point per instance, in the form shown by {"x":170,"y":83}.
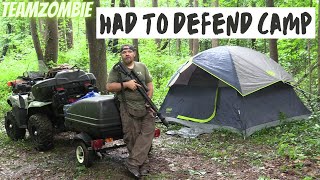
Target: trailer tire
{"x":13,"y":131}
{"x":84,"y":156}
{"x":41,"y":133}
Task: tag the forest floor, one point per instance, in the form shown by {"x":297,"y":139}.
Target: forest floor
{"x":171,"y":158}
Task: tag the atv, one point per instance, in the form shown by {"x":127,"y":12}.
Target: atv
{"x":37,"y":102}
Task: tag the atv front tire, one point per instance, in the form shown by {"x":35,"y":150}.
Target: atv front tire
{"x":13,"y":131}
{"x":41,"y":132}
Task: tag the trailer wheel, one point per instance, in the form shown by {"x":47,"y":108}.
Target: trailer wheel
{"x":41,"y":133}
{"x":84,"y":156}
{"x":13,"y":131}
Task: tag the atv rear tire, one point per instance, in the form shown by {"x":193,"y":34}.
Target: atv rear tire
{"x":84,"y":156}
{"x":13,"y":131}
{"x":41,"y":132}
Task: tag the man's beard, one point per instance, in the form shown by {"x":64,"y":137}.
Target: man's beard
{"x":127,"y":61}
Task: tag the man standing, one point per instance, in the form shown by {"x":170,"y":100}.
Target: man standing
{"x":138,"y":123}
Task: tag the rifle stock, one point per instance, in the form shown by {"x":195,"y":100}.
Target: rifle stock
{"x":142,"y":90}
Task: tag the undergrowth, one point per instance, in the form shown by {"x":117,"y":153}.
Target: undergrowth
{"x":10,"y":69}
{"x":293,"y":142}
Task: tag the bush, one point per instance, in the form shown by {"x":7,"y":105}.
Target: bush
{"x":11,"y":68}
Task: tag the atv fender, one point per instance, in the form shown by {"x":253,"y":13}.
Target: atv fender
{"x":19,"y":105}
{"x":34,"y":104}
{"x":83,"y":137}
{"x":20,"y":101}
{"x":21,"y":116}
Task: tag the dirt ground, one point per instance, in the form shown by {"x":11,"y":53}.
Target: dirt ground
{"x":18,"y":160}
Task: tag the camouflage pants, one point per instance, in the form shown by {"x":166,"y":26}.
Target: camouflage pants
{"x":138,"y":128}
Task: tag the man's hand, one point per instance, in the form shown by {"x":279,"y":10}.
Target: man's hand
{"x":132,"y":84}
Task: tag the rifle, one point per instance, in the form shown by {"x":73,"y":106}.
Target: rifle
{"x":142,"y":90}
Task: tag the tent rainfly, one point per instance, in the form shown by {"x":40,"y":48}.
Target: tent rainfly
{"x":235,"y":88}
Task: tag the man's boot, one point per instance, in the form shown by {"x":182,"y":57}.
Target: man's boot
{"x":133,"y":170}
{"x":144,"y":169}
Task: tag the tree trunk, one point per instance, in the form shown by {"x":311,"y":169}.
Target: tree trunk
{"x":191,"y":40}
{"x":191,"y":47}
{"x":178,"y":41}
{"x":122,"y":3}
{"x":62,"y":34}
{"x":319,"y":59}
{"x":309,"y":63}
{"x":113,"y":43}
{"x":253,"y":41}
{"x":136,"y":45}
{"x":135,"y":42}
{"x":113,"y":3}
{"x":195,"y":46}
{"x":273,"y":42}
{"x":158,"y":41}
{"x":310,"y":67}
{"x":52,"y":40}
{"x":132,"y":3}
{"x":7,"y":41}
{"x":69,"y":33}
{"x":41,"y":29}
{"x":35,"y":38}
{"x":97,"y":50}
{"x":215,"y":42}
{"x":237,"y":40}
{"x":273,"y":49}
{"x":178,"y":46}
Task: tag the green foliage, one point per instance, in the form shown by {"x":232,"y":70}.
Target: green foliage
{"x":296,"y":140}
{"x":161,"y":66}
{"x":79,"y":170}
{"x":78,"y":56}
{"x":263,"y":178}
{"x":11,"y":68}
{"x":282,"y":116}
{"x":307,"y":178}
{"x":288,"y":150}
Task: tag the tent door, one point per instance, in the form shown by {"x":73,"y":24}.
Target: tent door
{"x":199,"y":106}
